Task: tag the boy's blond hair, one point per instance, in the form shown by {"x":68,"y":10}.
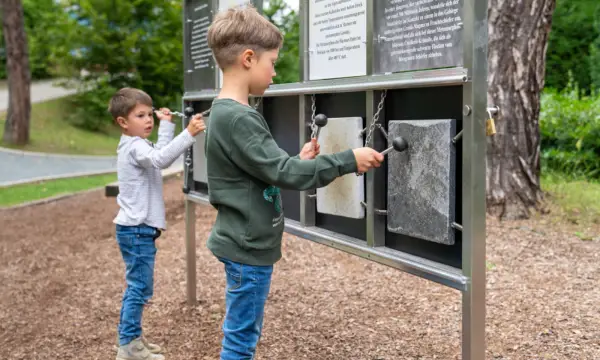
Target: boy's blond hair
{"x":125,"y":100}
{"x":237,"y":29}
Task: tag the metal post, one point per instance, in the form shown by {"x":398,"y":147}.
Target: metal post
{"x":307,"y":204}
{"x":473,"y":174}
{"x":304,"y":41}
{"x":375,"y":194}
{"x":190,"y":250}
{"x":308,"y":214}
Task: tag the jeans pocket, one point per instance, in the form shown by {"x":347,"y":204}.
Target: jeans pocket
{"x":234,"y":273}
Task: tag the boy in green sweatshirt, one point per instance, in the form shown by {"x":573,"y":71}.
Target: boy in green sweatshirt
{"x":246,"y":169}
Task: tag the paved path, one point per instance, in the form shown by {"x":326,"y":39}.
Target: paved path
{"x":21,"y":166}
{"x":40,"y":91}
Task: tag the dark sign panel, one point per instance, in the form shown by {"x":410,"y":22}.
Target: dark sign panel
{"x":199,"y":65}
{"x":417,"y":35}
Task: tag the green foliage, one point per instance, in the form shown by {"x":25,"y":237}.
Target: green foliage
{"x":120,"y":43}
{"x":287,"y":20}
{"x":45,"y":23}
{"x":595,"y":54}
{"x":570,"y":131}
{"x":573,"y":30}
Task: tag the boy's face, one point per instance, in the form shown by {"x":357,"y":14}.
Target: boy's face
{"x":262,"y":71}
{"x":139,"y":122}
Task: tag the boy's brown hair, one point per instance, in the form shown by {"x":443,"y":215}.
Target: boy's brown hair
{"x":240,"y":28}
{"x":125,"y":100}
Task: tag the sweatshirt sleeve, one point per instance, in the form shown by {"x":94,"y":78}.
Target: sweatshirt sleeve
{"x":166,"y":130}
{"x":146,"y":156}
{"x":254,"y":150}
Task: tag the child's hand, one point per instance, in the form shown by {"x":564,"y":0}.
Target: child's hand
{"x":310,"y":150}
{"x":367,"y":158}
{"x":196,"y":125}
{"x":163,"y":114}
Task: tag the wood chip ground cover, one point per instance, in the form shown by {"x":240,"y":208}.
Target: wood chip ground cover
{"x":61,"y":277}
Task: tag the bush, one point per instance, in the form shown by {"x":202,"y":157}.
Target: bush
{"x":570,"y":131}
{"x":119,"y":43}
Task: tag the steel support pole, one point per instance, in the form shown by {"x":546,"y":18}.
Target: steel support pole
{"x":190,"y":250}
{"x":473,"y":184}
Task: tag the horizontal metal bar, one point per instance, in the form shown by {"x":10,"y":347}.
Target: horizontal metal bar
{"x":427,"y":269}
{"x":441,"y":77}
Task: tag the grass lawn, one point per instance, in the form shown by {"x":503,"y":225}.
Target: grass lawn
{"x":577,"y":200}
{"x":51,"y":132}
{"x":18,"y":194}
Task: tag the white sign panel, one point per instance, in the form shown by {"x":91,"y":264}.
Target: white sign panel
{"x":226,"y":4}
{"x":337,"y":38}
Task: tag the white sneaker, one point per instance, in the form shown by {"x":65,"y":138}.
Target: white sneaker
{"x":154,"y":348}
{"x":136,"y":350}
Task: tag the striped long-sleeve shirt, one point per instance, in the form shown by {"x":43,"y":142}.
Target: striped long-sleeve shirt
{"x":139,"y":165}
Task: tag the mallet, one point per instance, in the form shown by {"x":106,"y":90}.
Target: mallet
{"x":188,"y":111}
{"x":320,"y":121}
{"x":398,"y":144}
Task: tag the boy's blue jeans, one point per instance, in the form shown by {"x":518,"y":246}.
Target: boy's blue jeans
{"x":139,"y":251}
{"x":246,"y":293}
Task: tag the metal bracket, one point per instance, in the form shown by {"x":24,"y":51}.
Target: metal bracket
{"x":457,"y":226}
{"x":380,"y":38}
{"x":377,"y":211}
{"x":457,"y":137}
{"x":493,"y":110}
{"x":312,"y":196}
{"x":383,"y":132}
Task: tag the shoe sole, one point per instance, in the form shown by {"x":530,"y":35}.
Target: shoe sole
{"x":116,"y":348}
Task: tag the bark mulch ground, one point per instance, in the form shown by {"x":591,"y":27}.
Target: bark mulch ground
{"x":61,"y":281}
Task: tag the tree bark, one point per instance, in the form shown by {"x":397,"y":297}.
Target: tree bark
{"x":518,"y":39}
{"x":16,"y":129}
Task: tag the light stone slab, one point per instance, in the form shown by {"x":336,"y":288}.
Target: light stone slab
{"x":343,"y":196}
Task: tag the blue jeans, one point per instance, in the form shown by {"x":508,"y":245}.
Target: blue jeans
{"x":245,"y":297}
{"x":139,"y":251}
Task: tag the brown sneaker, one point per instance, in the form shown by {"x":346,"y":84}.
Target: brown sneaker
{"x":136,"y":350}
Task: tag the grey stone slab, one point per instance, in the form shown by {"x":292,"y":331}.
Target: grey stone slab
{"x":421,"y":180}
{"x":417,"y":35}
{"x":199,"y":65}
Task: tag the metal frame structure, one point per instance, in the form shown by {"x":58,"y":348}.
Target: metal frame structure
{"x":472,"y":77}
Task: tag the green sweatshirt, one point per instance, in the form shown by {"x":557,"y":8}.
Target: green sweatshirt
{"x":246,"y":169}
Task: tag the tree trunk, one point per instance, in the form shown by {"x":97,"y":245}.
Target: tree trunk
{"x":518,"y":38}
{"x":16,"y":129}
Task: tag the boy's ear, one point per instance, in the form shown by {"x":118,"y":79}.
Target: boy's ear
{"x":122,"y":122}
{"x":247,"y":57}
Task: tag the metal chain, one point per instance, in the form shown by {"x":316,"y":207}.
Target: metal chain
{"x":188,"y":158}
{"x":313,"y":126}
{"x":375,"y":123}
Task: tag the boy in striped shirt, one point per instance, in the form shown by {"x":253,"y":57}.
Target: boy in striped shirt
{"x":141,"y":216}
